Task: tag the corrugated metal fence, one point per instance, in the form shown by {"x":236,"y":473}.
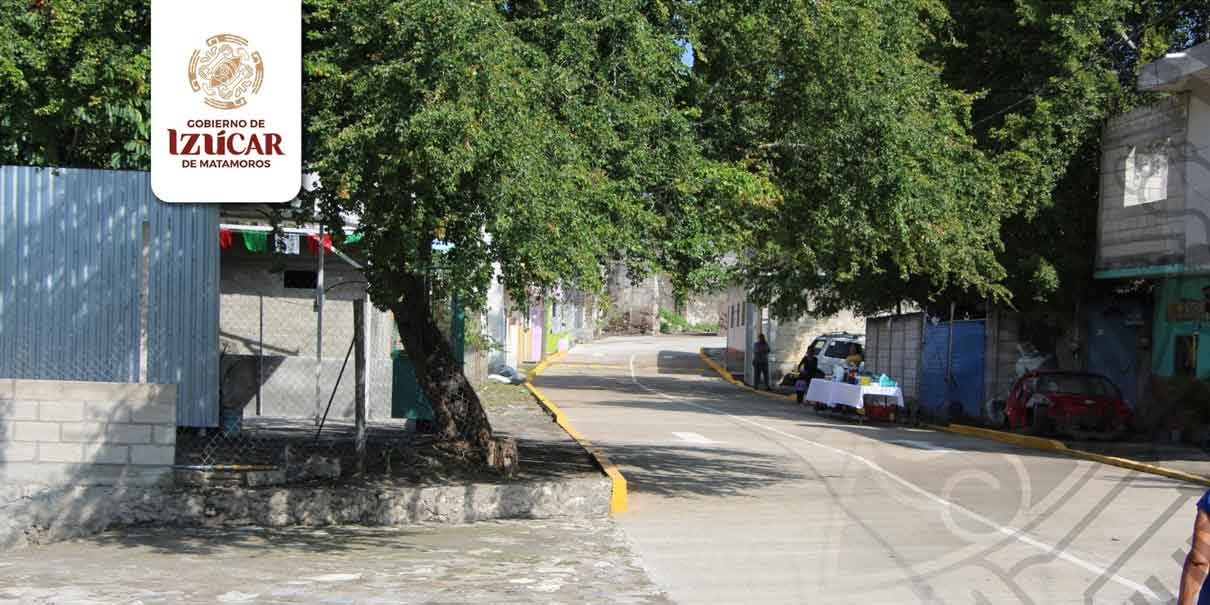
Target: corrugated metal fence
{"x":72,"y":245}
{"x":892,"y":347}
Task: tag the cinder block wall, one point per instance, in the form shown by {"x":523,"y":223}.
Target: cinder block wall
{"x":64,"y":433}
{"x":789,"y":338}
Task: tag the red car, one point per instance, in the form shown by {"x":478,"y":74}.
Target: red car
{"x":1079,"y":404}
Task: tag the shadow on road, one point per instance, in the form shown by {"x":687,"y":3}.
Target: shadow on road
{"x":682,"y":471}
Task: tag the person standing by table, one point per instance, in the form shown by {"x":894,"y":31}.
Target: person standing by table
{"x":808,"y":367}
{"x":1193,"y":574}
{"x":760,"y":362}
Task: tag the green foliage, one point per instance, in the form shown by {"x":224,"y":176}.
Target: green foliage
{"x":476,"y":337}
{"x":923,"y":149}
{"x":552,"y":128}
{"x":885,"y":195}
{"x":75,"y":83}
{"x":673,"y":323}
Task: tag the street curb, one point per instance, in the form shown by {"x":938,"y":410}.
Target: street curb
{"x":727,"y":376}
{"x":545,"y":363}
{"x":1052,"y":445}
{"x":1028,"y":441}
{"x":619,"y":501}
{"x":1025,"y":441}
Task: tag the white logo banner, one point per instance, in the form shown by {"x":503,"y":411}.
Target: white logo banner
{"x":226,"y":100}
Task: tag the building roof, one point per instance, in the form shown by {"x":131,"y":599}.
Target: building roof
{"x":1177,"y":71}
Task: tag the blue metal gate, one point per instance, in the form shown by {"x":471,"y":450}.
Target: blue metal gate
{"x":1113,"y":342}
{"x":953,"y":374}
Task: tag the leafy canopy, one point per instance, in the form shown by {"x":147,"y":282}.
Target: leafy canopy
{"x":545,"y":137}
{"x":75,"y":83}
{"x":885,"y":194}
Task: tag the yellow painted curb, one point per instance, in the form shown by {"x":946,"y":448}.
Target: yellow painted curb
{"x":1037,"y":443}
{"x":729,"y":378}
{"x":619,"y":500}
{"x":1052,"y":445}
{"x":1142,"y":467}
{"x":545,"y":363}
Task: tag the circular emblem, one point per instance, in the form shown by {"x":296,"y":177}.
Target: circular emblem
{"x":227,"y":72}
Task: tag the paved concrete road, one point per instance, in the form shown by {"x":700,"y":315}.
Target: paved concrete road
{"x":738,"y":498}
{"x":568,"y":561}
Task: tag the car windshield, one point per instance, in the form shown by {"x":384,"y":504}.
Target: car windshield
{"x":840,"y":348}
{"x":1077,"y":384}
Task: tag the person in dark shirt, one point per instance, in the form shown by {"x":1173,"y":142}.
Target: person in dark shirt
{"x":808,"y":368}
{"x":760,"y":362}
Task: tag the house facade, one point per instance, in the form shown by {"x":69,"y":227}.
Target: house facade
{"x":788,"y":339}
{"x":1154,"y":221}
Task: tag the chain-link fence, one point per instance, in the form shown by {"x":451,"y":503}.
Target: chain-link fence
{"x":292,"y":368}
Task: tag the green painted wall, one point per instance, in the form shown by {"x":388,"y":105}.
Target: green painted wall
{"x":1164,"y":336}
{"x":407,"y":398}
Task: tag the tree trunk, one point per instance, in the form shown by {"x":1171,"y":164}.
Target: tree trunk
{"x":456,"y":407}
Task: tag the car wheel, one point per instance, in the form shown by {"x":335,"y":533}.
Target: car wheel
{"x":1040,"y":420}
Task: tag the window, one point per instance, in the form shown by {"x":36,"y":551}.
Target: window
{"x":1146,"y":174}
{"x":301,"y":280}
{"x":839,"y":349}
{"x":818,"y":346}
{"x":1077,"y":384}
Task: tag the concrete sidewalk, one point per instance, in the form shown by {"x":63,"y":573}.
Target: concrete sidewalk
{"x":563,"y":561}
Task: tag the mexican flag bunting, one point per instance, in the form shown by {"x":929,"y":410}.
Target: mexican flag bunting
{"x":255,"y":241}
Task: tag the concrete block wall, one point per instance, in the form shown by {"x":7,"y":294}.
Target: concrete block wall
{"x":66,"y":433}
{"x":1147,"y":234}
{"x":789,"y":338}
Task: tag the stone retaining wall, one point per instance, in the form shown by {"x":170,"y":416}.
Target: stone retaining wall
{"x":48,"y":516}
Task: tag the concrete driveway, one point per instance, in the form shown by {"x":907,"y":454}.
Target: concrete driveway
{"x":739,"y":498}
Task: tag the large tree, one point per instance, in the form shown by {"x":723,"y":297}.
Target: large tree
{"x":886,"y":196}
{"x":75,"y":83}
{"x":544,"y":137}
{"x":927,"y":149}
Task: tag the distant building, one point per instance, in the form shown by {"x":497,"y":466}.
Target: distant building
{"x":788,"y":338}
{"x":1154,"y":221}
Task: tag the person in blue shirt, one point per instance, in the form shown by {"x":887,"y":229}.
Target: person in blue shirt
{"x":1193,"y":574}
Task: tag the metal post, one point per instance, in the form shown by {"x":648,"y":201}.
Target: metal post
{"x":890,"y":362}
{"x":260,"y":355}
{"x":359,"y":374}
{"x":319,"y":331}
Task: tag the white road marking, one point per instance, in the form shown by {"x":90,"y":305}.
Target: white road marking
{"x":336,"y":577}
{"x":922,"y":445}
{"x":845,"y":427}
{"x":695,"y":438}
{"x":947,"y":506}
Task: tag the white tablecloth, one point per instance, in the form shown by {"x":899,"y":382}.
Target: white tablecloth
{"x":852,"y":395}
